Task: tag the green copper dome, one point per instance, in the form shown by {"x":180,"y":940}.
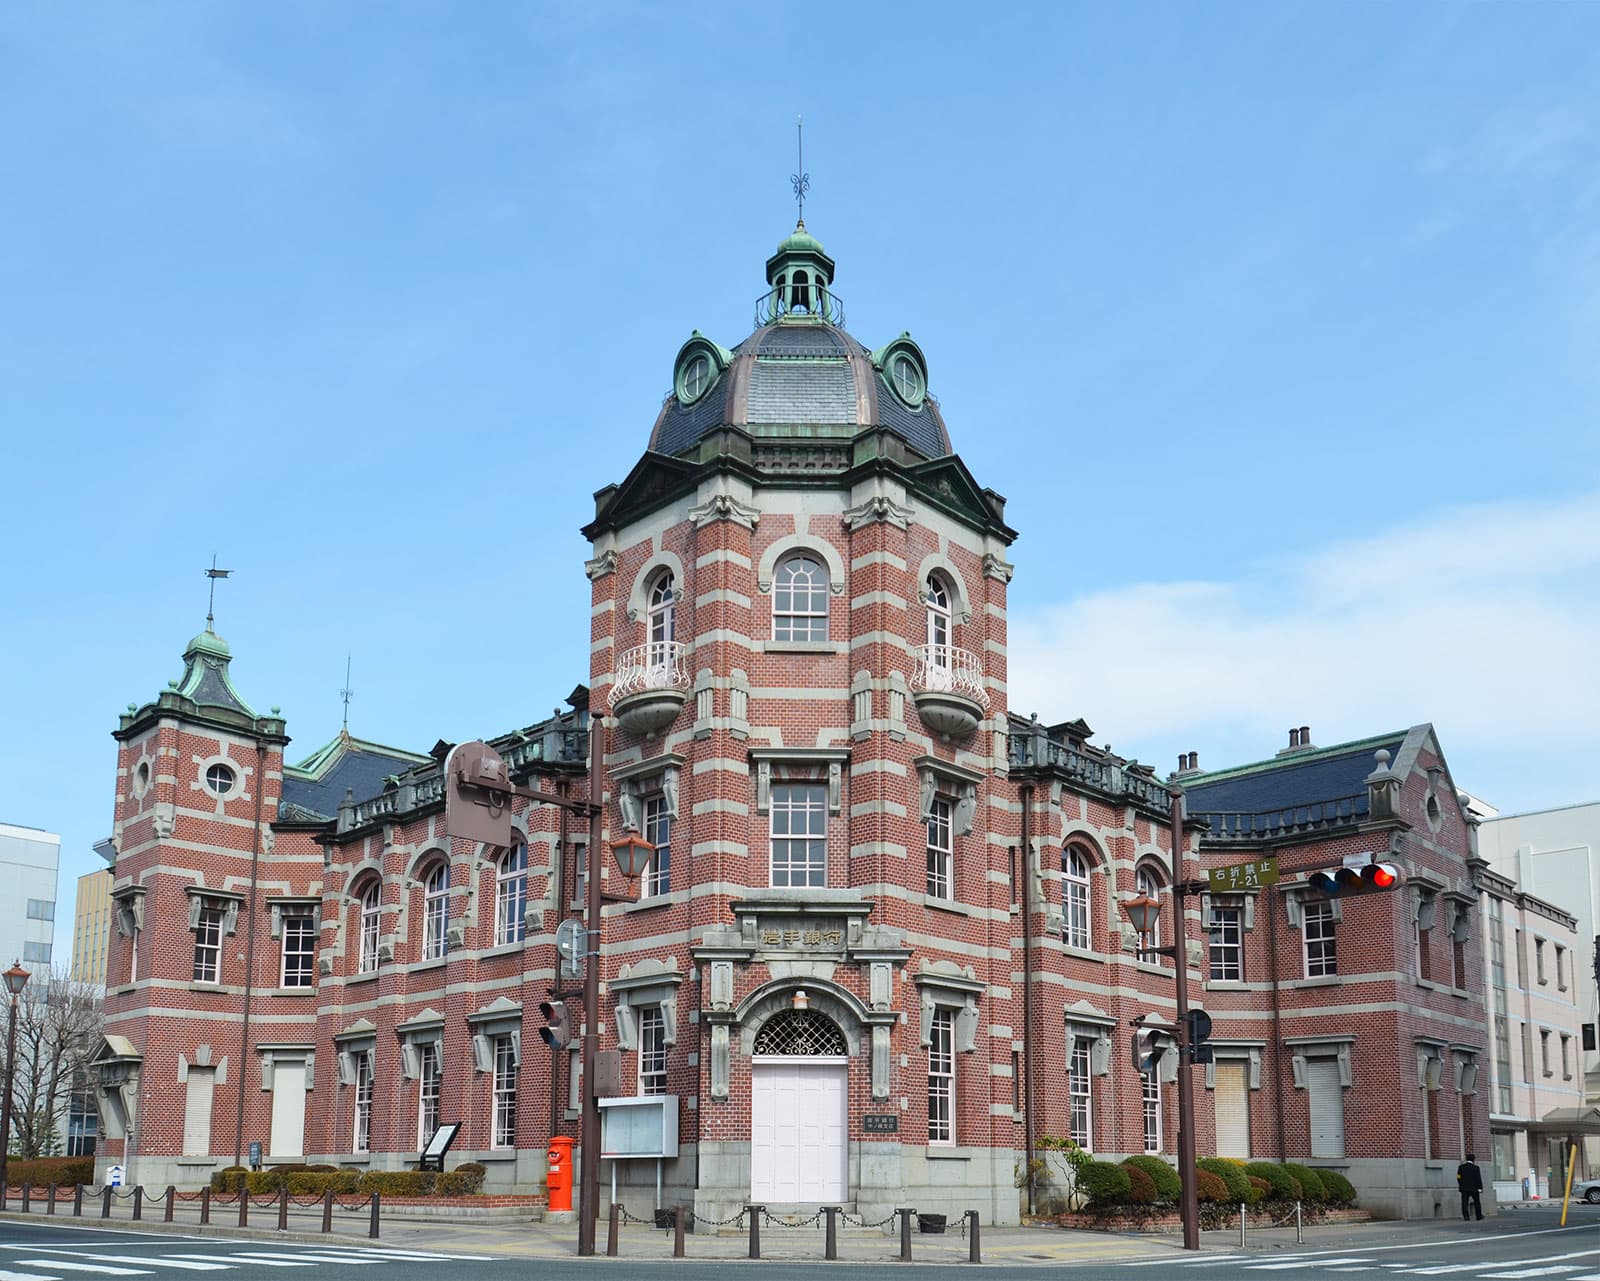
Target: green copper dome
{"x":208,"y":642}
{"x":801,"y":241}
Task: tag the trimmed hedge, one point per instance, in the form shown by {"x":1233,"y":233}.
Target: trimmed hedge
{"x":1141,"y":1187}
{"x":1168,"y":1186}
{"x":1312,"y":1188}
{"x":41,"y":1171}
{"x":1210,"y":1187}
{"x":1277,"y":1177}
{"x":1232,"y":1175}
{"x":1103,"y":1183}
{"x":1341,"y":1192}
{"x":313,"y":1180}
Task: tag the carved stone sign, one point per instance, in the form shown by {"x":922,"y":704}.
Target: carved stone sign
{"x":880,"y":1123}
{"x":802,"y":934}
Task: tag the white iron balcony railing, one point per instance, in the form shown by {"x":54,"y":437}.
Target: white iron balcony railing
{"x":656,"y":666}
{"x":944,"y":669}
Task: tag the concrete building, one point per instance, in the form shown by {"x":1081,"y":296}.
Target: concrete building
{"x":1554,"y":856}
{"x":91,"y":927}
{"x":879,"y":951}
{"x":29,"y":860}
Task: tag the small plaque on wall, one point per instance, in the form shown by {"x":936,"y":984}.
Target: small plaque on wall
{"x":880,"y":1123}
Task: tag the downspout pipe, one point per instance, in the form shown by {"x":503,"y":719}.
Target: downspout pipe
{"x":249,"y":953}
{"x":1025,"y":867}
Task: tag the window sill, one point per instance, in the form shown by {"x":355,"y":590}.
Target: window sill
{"x":368,"y":976}
{"x":433,"y":963}
{"x":947,"y":1154}
{"x":207,"y":987}
{"x":1082,"y":953}
{"x":648,"y":904}
{"x":503,"y":949}
{"x":948,"y":905}
{"x":1320,"y":980}
{"x":295,"y":991}
{"x":801,"y":647}
{"x":1227,"y":985}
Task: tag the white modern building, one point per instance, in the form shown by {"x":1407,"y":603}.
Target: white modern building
{"x":29,"y":860}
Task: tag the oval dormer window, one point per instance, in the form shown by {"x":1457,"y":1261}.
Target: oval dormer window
{"x":907,"y":379}
{"x":696,"y":377}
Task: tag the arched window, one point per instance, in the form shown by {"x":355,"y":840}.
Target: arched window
{"x":1075,"y":898}
{"x":661,"y":616}
{"x":371,"y":901}
{"x":939,"y":634}
{"x":1145,"y":882}
{"x":800,"y":600}
{"x":801,"y":1034}
{"x":435,"y":911}
{"x":511,"y":896}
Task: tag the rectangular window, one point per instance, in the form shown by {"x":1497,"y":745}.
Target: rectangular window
{"x":1544,"y":1052}
{"x":1227,"y":944}
{"x":1424,"y":943}
{"x":1080,"y":1101}
{"x":1016,"y":1082}
{"x":1588,"y":1038}
{"x":198,"y":1096}
{"x":1152,"y":1110}
{"x":658,"y":831}
{"x":208,"y":946}
{"x":799,"y":834}
{"x":41,"y":909}
{"x":370,"y":907}
{"x":427,"y":1091}
{"x":1566,"y":1058}
{"x":299,"y":951}
{"x":1522,"y":956}
{"x":1527,"y":1056}
{"x":1497,"y":945}
{"x":652,"y":1051}
{"x":363,"y":1130}
{"x":38,"y":952}
{"x":1561,"y":967}
{"x":505,"y":1092}
{"x":942,"y":1080}
{"x":939,"y":849}
{"x":1538,"y":961}
{"x":1458,"y":962}
{"x":1322,"y":957}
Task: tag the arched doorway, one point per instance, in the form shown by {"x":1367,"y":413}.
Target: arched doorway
{"x":799,"y":1110}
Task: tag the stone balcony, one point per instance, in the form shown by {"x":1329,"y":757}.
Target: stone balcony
{"x":947,"y":687}
{"x":652,"y":686}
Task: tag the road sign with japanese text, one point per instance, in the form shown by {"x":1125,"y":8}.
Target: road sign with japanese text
{"x":1242,"y":876}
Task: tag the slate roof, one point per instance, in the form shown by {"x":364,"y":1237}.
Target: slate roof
{"x":922,"y":428}
{"x":1304,"y":778}
{"x":319,"y":783}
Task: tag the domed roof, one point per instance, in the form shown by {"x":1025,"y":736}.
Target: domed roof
{"x":208,"y":642}
{"x":800,"y":241}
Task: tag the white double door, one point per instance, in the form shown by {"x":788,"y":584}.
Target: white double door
{"x":799,"y":1124}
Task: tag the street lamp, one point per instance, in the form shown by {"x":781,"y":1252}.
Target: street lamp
{"x":1144,"y":913}
{"x":633,"y":854}
{"x":16,"y":979}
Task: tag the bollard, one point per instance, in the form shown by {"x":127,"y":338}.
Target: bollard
{"x":244,"y":1204}
{"x":205,"y":1205}
{"x":612,"y":1224}
{"x":974,"y":1249}
{"x":830,"y":1245}
{"x":678,"y":1217}
{"x":1241,"y":1225}
{"x":755,"y":1229}
{"x":905,"y":1234}
{"x":138,"y":1202}
{"x":372,"y":1228}
{"x":105,"y":1202}
{"x":283,"y":1208}
{"x":50,"y":1207}
{"x":327,"y":1210}
{"x":172,"y":1197}
{"x":77,"y":1202}
{"x":1299,"y":1236}
{"x":27,"y":1196}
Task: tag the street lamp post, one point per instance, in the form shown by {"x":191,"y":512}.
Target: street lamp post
{"x":1143,"y":914}
{"x":16,"y":979}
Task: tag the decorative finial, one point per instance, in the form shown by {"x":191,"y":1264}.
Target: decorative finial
{"x":211,"y":600}
{"x":800,"y":180}
{"x":346,"y":694}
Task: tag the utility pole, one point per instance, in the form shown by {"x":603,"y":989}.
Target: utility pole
{"x":589,"y":1143}
{"x":1189,"y":1208}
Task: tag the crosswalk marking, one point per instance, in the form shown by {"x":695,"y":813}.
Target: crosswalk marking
{"x":1535,"y":1272}
{"x":321,"y":1256}
{"x":24,"y":1276}
{"x":99,"y":1269}
{"x":260,"y":1263}
{"x":403,"y":1255}
{"x":175,"y":1261}
{"x":1299,"y":1263}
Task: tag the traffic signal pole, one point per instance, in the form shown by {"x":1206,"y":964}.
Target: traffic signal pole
{"x":589,"y":1161}
{"x":1189,"y":1207}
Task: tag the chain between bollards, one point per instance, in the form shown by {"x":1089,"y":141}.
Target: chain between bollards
{"x":905,"y":1234}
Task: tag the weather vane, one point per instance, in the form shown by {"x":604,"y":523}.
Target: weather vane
{"x":346,"y":694}
{"x":801,"y":180}
{"x":211,"y":600}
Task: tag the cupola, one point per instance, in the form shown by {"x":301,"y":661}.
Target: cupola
{"x":800,"y":274}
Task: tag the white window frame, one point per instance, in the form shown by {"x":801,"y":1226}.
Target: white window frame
{"x":299,"y":934}
{"x":371,"y":909}
{"x":1080,"y":1091}
{"x":1147,"y":884}
{"x":661,"y":616}
{"x":658,"y":831}
{"x":1076,"y":926}
{"x":503,"y":1093}
{"x":430,"y":1076}
{"x":1150,"y":1105}
{"x":800,"y":593}
{"x":436,"y":912}
{"x":941,"y":631}
{"x":361,"y":1130}
{"x":652,"y":1050}
{"x":1320,"y":939}
{"x":942,"y":1078}
{"x":511,"y":895}
{"x":941,"y":849}
{"x":790,"y":800}
{"x":208,"y":945}
{"x":1226,"y":943}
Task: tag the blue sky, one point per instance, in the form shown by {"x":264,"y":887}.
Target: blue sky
{"x":1278,"y":324}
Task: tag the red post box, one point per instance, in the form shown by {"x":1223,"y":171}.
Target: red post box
{"x":559,"y":1178}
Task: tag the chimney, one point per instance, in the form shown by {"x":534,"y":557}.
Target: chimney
{"x":1299,"y":740}
{"x":1305,"y":736}
{"x":1188,"y":763}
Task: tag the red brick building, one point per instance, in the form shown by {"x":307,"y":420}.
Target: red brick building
{"x":879,"y":951}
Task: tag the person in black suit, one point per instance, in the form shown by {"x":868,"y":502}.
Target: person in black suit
{"x":1470,"y":1180}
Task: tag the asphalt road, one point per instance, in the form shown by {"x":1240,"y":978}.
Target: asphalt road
{"x":1524,"y":1246}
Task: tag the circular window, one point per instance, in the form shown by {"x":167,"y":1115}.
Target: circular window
{"x":220,"y":779}
{"x":695,"y":377}
{"x":906,"y":377}
{"x":141,"y":778}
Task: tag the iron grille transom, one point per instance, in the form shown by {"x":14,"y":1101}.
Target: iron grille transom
{"x":801,"y":1034}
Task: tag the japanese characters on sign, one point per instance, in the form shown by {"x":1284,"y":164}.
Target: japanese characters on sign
{"x":802,"y":938}
{"x":1243,"y":876}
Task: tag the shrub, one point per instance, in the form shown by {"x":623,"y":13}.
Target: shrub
{"x":1103,"y":1183}
{"x":1276,"y":1177}
{"x":473,"y":1171}
{"x":1312,"y":1189}
{"x":1210,"y":1187}
{"x":1141,"y":1187}
{"x":316,"y":1182}
{"x":398,"y":1182}
{"x":1233,"y":1177}
{"x":1260,"y":1189}
{"x":231,"y":1178}
{"x":1341,"y":1192}
{"x":1168,"y":1186}
{"x":41,"y":1171}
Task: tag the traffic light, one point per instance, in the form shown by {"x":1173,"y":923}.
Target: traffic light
{"x":1368,"y":879}
{"x":1149,"y":1044}
{"x":557,"y":1029}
